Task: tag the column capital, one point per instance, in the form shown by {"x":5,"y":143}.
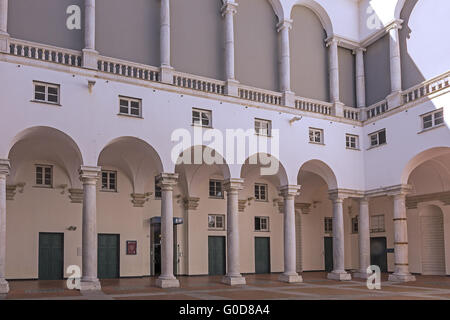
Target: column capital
{"x":5,"y":167}
{"x":289,"y":191}
{"x":332,"y":41}
{"x":89,"y":174}
{"x":167,"y":181}
{"x":359,"y":50}
{"x":234,"y":184}
{"x":396,"y":24}
{"x":229,"y":8}
{"x":285,"y":24}
{"x":400,"y":191}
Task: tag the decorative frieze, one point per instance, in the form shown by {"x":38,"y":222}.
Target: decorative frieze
{"x":138,"y":199}
{"x":413,"y":201}
{"x":76,"y":195}
{"x":191,"y":203}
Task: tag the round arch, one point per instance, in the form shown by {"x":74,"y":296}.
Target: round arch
{"x":269,"y":165}
{"x":46,"y":143}
{"x":319,"y":11}
{"x":321,"y":169}
{"x":399,"y":8}
{"x":420,"y":159}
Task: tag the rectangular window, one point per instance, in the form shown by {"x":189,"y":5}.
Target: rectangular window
{"x":378,"y":138}
{"x":262,"y":224}
{"x":202,"y":118}
{"x":352,"y":141}
{"x":130,"y":106}
{"x":377,"y":224}
{"x":216,"y":222}
{"x":44,"y":176}
{"x":46,"y":92}
{"x":316,"y":136}
{"x":261,"y":192}
{"x":263,"y":127}
{"x":433,"y":119}
{"x":158,"y":192}
{"x":328,"y":225}
{"x":109,"y":181}
{"x":355,"y":224}
{"x":215,"y":189}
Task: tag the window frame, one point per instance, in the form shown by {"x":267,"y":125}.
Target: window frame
{"x":43,"y":184}
{"x":377,"y":134}
{"x":260,"y":122}
{"x":200,"y":118}
{"x":258,"y":197}
{"x":313,"y":132}
{"x":355,"y":225}
{"x":46,"y":93}
{"x":267,"y":222}
{"x":378,"y":229}
{"x":158,"y":190}
{"x":328,"y":225}
{"x":215,"y":228}
{"x":348,"y":142}
{"x":433,"y":119}
{"x":108,"y":182}
{"x":130,"y":100}
{"x":216,"y":181}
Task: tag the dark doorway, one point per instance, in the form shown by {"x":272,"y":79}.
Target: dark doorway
{"x":378,"y":253}
{"x":328,"y":252}
{"x":51,"y":256}
{"x":216,"y":256}
{"x":108,"y":256}
{"x":262,"y":255}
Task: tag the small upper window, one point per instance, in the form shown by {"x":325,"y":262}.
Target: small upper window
{"x":352,"y":141}
{"x":261,"y":192}
{"x":202,"y":118}
{"x":328,"y":225}
{"x":263,"y":127}
{"x":44,"y":176}
{"x":130,"y":107}
{"x":355,"y":224}
{"x":315,"y":135}
{"x":433,"y":119}
{"x":262,"y":224}
{"x":378,"y":138}
{"x":109,"y":181}
{"x":215,"y":189}
{"x":158,"y":191}
{"x":377,"y":224}
{"x":46,"y":92}
{"x":216,"y":222}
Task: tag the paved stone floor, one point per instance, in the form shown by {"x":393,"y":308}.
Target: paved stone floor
{"x":259,"y":287}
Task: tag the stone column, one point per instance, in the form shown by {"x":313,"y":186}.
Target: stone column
{"x":4,"y":36}
{"x":360,"y":78}
{"x":364,"y":239}
{"x":4,"y":172}
{"x":228,"y":11}
{"x":167,"y":279}
{"x":90,"y":55}
{"x":166,"y":68}
{"x":333,"y":56}
{"x":401,"y":272}
{"x":285,"y":62}
{"x":89,"y":279}
{"x":394,"y":98}
{"x":290,"y":253}
{"x":338,"y":272}
{"x":233,"y":276}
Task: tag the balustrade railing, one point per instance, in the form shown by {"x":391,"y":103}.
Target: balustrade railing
{"x":198,"y":83}
{"x":260,"y":95}
{"x":377,"y":109}
{"x":128,"y":69}
{"x":426,"y":88}
{"x":314,"y":106}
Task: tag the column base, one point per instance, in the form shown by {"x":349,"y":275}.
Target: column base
{"x":394,"y":100}
{"x":338,"y":109}
{"x":291,"y":278}
{"x":234,"y":280}
{"x":90,"y":285}
{"x":289,"y":99}
{"x":166,"y":74}
{"x":167,"y":283}
{"x":4,"y":286}
{"x":90,"y":59}
{"x":361,"y":275}
{"x":4,"y":42}
{"x":232,"y":88}
{"x":407,"y":277}
{"x":339,"y":276}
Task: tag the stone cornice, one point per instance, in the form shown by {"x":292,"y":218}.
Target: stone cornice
{"x":89,"y":174}
{"x":345,"y":193}
{"x":413,"y":201}
{"x":343,"y":42}
{"x":400,"y":189}
{"x":76,"y":195}
{"x":167,"y":180}
{"x":5,"y":167}
{"x":233,"y":184}
{"x":138,"y":199}
{"x":380,"y":33}
{"x":290,"y":190}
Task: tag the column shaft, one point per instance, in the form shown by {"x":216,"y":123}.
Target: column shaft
{"x":89,"y":280}
{"x":3,"y":16}
{"x":401,"y":272}
{"x":395,"y":65}
{"x":233,"y":276}
{"x":334,"y":70}
{"x":89,"y":27}
{"x":285,"y":59}
{"x":364,"y":238}
{"x":360,"y":79}
{"x":228,"y":11}
{"x":4,"y":172}
{"x":290,"y":253}
{"x":167,"y":278}
{"x":165,"y":33}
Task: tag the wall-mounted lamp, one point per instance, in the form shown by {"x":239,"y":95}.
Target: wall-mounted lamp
{"x":72,"y":228}
{"x":91,"y":85}
{"x":295,"y":119}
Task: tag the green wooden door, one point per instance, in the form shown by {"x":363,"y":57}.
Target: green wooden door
{"x":262,"y":255}
{"x":328,"y":249}
{"x":51,"y":256}
{"x":108,"y":256}
{"x":216,"y":256}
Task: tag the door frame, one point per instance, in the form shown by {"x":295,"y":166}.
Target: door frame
{"x":224,"y":238}
{"x":118,"y":251}
{"x":62,"y":251}
{"x":270,"y":256}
